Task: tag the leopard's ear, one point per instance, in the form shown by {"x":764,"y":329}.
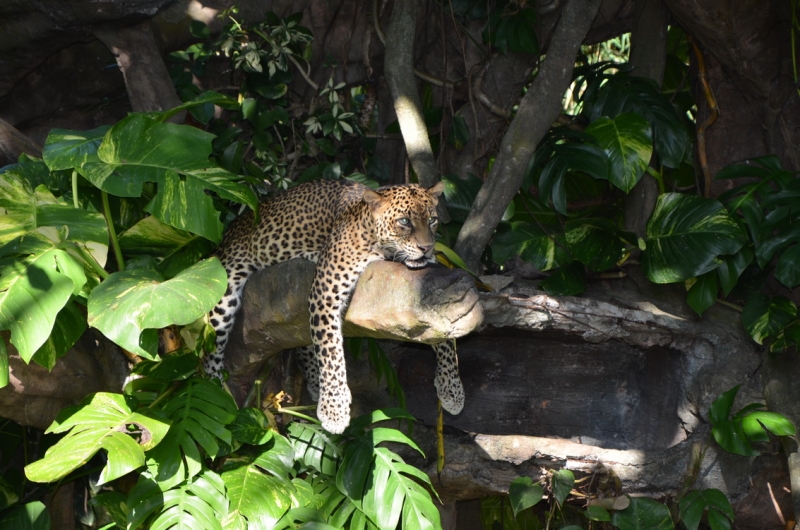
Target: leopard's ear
{"x":436,"y":189}
{"x":372,"y":198}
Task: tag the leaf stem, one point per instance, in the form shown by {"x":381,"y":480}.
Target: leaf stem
{"x":75,"y":202}
{"x":167,"y":393}
{"x":112,"y":232}
{"x":88,"y":258}
{"x":735,"y":307}
{"x":299,"y":415}
{"x":659,"y":179}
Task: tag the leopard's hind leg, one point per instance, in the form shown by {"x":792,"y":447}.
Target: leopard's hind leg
{"x":448,"y":382}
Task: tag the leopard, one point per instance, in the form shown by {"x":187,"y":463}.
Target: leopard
{"x":342,"y":226}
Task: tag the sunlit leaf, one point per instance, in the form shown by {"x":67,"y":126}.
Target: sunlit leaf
{"x":626,"y":140}
{"x":685,"y":235}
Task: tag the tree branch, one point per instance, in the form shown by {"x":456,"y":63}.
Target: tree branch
{"x":399,"y":68}
{"x":537,"y":111}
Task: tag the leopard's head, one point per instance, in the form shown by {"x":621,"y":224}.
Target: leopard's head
{"x":405,"y":222}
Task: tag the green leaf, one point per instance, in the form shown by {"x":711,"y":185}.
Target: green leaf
{"x":65,"y":149}
{"x":765,"y":317}
{"x":569,"y":280}
{"x":184,"y":204}
{"x":732,"y":267}
{"x":597,"y":513}
{"x":33,"y":290}
{"x":199,"y":503}
{"x":626,"y":140}
{"x":177,"y":248}
{"x":115,"y":503}
{"x":170,"y":368}
{"x":523,"y":493}
{"x":594,"y":242}
{"x":314,"y":447}
{"x":67,"y":329}
{"x":251,"y":426}
{"x":202,"y":409}
{"x":696,"y":502}
{"x":562,"y":482}
{"x":142,"y":141}
{"x":23,"y":209}
{"x":30,"y":516}
{"x":129,"y":302}
{"x":531,"y":243}
{"x":643,"y":514}
{"x":101,"y":421}
{"x":257,"y":487}
{"x":786,"y":270}
{"x":735,"y":433}
{"x":703,"y":292}
{"x":381,"y":484}
{"x":623,"y":93}
{"x":685,"y":235}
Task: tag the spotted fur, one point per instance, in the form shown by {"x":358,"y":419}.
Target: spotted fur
{"x":342,"y":226}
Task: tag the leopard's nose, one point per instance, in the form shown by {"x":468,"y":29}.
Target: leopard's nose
{"x":425,"y":248}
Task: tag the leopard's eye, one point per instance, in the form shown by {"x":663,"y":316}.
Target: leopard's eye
{"x":433,"y":220}
{"x":404,"y":221}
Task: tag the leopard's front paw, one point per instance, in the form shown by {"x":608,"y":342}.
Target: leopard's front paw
{"x":450,"y":392}
{"x":334,"y":411}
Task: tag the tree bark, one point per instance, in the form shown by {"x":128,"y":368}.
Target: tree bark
{"x":13,"y":143}
{"x":147,"y":80}
{"x":399,"y":71}
{"x":537,"y":111}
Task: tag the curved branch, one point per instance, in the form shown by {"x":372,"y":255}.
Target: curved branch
{"x":398,"y":65}
{"x":538,"y":110}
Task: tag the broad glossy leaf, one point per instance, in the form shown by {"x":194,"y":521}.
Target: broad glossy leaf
{"x":703,"y":292}
{"x":30,"y":516}
{"x":562,"y":482}
{"x":764,"y":317}
{"x":129,"y":302}
{"x":209,"y":96}
{"x":622,"y":93}
{"x":251,"y":426}
{"x":226,"y":185}
{"x":179,"y":249}
{"x":643,"y":514}
{"x":65,"y":149}
{"x":685,"y":235}
{"x":460,"y":194}
{"x":141,"y":141}
{"x":258,"y":490}
{"x":382,"y":485}
{"x":786,"y":270}
{"x":198,"y":503}
{"x":734,"y":433}
{"x":102,"y":421}
{"x":203,"y":410}
{"x":120,"y":180}
{"x":523,"y":493}
{"x":184,"y":204}
{"x":597,"y":513}
{"x":24,"y":209}
{"x":594,"y":242}
{"x":67,"y":329}
{"x":115,"y":503}
{"x":569,"y":280}
{"x":531,"y":243}
{"x":732,"y":267}
{"x":34,"y":288}
{"x":314,"y":447}
{"x":696,"y":502}
{"x":627,"y":142}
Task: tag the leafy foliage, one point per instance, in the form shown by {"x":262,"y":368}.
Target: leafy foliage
{"x":695,"y":503}
{"x":643,"y":514}
{"x":735,"y":433}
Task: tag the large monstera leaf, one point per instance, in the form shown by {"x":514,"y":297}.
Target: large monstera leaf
{"x":627,"y":141}
{"x":129,"y":306}
{"x":101,"y":421}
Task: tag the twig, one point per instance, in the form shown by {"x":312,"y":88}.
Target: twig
{"x":714,"y":113}
{"x":303,"y":72}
